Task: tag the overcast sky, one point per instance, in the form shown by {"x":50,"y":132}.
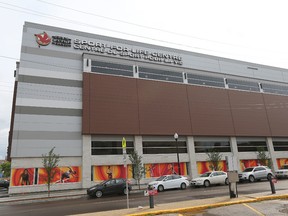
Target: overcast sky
{"x":253,"y":31}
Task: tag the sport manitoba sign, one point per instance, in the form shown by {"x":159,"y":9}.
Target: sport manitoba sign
{"x":43,"y":39}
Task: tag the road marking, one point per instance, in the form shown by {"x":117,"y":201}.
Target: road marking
{"x":253,"y":209}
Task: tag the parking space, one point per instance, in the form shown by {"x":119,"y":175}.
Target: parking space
{"x":265,"y":208}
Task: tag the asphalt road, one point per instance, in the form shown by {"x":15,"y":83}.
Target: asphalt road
{"x":89,"y":205}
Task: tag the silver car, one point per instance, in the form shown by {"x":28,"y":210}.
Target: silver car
{"x":169,"y":182}
{"x":255,"y":173}
{"x":282,"y":172}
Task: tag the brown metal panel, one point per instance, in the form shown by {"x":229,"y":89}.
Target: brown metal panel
{"x":210,"y":111}
{"x":249,"y":113}
{"x":113,"y":105}
{"x":163,"y":108}
{"x":277,"y":112}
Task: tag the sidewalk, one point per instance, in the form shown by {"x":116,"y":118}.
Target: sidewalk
{"x":169,"y":208}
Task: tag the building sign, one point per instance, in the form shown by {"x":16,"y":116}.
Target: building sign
{"x":108,"y":49}
{"x":42,"y":39}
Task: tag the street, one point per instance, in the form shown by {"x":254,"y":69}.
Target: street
{"x":89,"y":205}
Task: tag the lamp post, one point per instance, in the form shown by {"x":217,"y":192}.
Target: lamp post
{"x":176,"y":138}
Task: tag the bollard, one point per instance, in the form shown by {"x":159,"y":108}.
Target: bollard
{"x":272,"y":185}
{"x":151,"y":201}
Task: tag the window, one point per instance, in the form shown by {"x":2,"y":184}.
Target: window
{"x":112,"y":69}
{"x":259,"y":169}
{"x":110,"y":147}
{"x":155,"y":74}
{"x":205,"y":80}
{"x":164,"y":147}
{"x":243,"y":85}
{"x":206,"y":146}
{"x":273,"y":88}
{"x":280,"y":145}
{"x":176,"y":177}
{"x":251,"y":146}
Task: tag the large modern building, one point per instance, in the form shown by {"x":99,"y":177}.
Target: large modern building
{"x":82,"y":93}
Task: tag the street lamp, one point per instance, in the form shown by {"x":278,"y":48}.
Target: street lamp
{"x":176,"y":138}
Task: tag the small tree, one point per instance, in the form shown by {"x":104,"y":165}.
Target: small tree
{"x":50,"y":163}
{"x":6,"y":169}
{"x":263,"y":159}
{"x":137,"y":167}
{"x":214,"y":159}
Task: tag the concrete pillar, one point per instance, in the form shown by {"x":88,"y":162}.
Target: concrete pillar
{"x":235,"y":155}
{"x":192,"y":165}
{"x":272,"y":153}
{"x":86,"y":161}
{"x":138,"y":145}
{"x":87,"y":65}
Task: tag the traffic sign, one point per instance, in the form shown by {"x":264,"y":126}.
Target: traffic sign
{"x":123,"y":143}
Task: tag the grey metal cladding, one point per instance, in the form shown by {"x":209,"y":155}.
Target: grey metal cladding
{"x":29,"y":60}
{"x":47,"y":135}
{"x":47,"y":111}
{"x":49,"y":81}
{"x":49,"y":92}
{"x":36,"y":148}
{"x":51,"y":53}
{"x":47,"y":123}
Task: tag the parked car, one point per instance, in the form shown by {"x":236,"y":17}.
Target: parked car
{"x":4,"y":183}
{"x":111,"y":186}
{"x":169,"y":182}
{"x":210,"y":178}
{"x":255,"y":173}
{"x":282,"y":172}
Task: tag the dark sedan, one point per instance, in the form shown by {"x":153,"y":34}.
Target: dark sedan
{"x":111,"y":186}
{"x":4,"y":183}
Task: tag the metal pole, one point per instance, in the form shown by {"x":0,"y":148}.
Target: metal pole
{"x":127,"y":189}
{"x":179,"y":170}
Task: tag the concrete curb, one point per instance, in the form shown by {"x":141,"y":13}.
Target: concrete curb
{"x":216,"y":205}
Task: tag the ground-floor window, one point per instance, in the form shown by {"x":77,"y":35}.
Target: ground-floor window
{"x":280,"y":145}
{"x":164,"y":147}
{"x":110,"y":147}
{"x":246,"y":145}
{"x":203,"y":145}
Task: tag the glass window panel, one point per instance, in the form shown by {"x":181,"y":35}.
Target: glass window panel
{"x":243,"y":85}
{"x":110,"y":147}
{"x":251,"y":146}
{"x":164,"y":147}
{"x":280,"y":145}
{"x":112,"y":69}
{"x":206,"y":146}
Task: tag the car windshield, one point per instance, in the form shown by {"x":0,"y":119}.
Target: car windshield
{"x":161,"y":178}
{"x":250,"y":169}
{"x":207,"y":174}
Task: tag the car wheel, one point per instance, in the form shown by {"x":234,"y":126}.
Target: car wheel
{"x":125,"y":191}
{"x":251,"y":178}
{"x":226,"y":181}
{"x":269,"y":176}
{"x":160,"y":188}
{"x":98,"y":194}
{"x":206,"y":183}
{"x":183,"y":186}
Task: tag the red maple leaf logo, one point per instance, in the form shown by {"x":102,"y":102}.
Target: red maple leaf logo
{"x":43,"y":39}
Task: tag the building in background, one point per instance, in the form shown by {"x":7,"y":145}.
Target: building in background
{"x":81,"y":93}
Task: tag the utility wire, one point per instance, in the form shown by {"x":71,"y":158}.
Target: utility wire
{"x":33,"y":12}
{"x":135,"y":24}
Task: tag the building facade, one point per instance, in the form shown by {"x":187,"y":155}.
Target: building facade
{"x":82,"y":93}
